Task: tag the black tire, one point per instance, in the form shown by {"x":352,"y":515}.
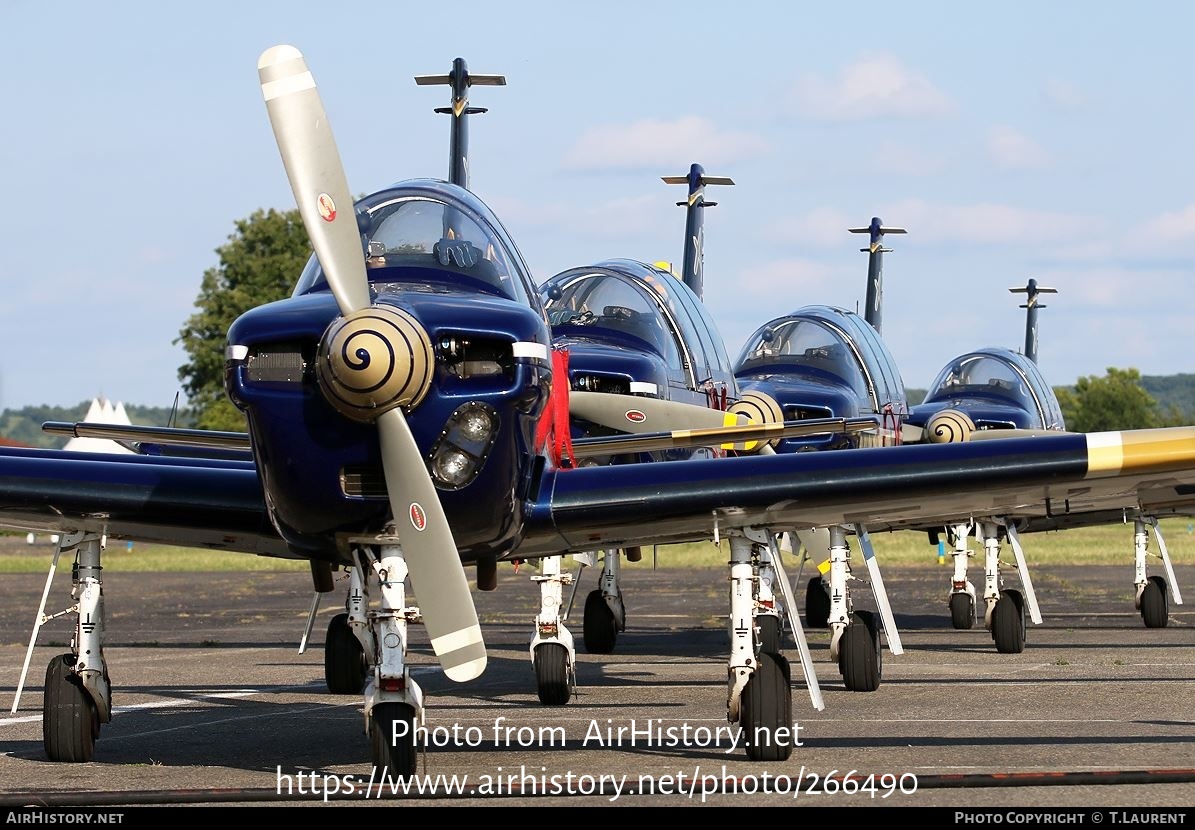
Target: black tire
{"x":397,"y":754}
{"x":817,"y":604}
{"x":600,"y":629}
{"x":872,"y":621}
{"x":551,"y":674}
{"x":344,"y":659}
{"x":1008,"y":623}
{"x":769,"y":634}
{"x":857,"y":658}
{"x":962,"y":611}
{"x":1155,"y":610}
{"x":766,"y":711}
{"x":70,"y":722}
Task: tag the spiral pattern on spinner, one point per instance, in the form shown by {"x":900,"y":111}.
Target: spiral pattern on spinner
{"x":759,"y":408}
{"x":950,"y":427}
{"x":374,"y":360}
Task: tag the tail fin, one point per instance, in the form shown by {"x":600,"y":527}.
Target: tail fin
{"x":691,"y":267}
{"x":460,"y":80}
{"x":875,"y":269}
{"x":1032,"y":290}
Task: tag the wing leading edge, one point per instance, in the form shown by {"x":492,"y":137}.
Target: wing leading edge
{"x":888,"y":488}
{"x":191,"y":502}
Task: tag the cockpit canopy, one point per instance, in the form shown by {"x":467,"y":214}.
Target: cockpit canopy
{"x":999,"y":374}
{"x":622,"y":299}
{"x":806,"y":344}
{"x":432,"y":236}
{"x":610,"y":301}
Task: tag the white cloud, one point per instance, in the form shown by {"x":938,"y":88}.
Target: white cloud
{"x":891,"y":158}
{"x":983,"y":223}
{"x":824,"y":227}
{"x":988,"y":223}
{"x":785,"y":278}
{"x":1167,"y":228}
{"x":1064,"y":95}
{"x":1013,"y":149}
{"x":627,"y":216}
{"x":878,"y":86}
{"x":1113,"y":287}
{"x":653,"y":143}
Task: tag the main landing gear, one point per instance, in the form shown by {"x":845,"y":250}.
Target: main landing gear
{"x":1005,"y":609}
{"x":78,"y":691}
{"x":605,"y":615}
{"x":759,"y":689}
{"x":1149,"y":595}
{"x":855,"y":643}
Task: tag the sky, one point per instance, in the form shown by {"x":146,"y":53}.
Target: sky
{"x":1012,"y":140}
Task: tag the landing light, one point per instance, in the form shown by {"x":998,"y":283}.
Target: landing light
{"x":453,"y":467}
{"x":463,"y":445}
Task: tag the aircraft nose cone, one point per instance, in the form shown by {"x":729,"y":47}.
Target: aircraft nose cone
{"x":374,"y":360}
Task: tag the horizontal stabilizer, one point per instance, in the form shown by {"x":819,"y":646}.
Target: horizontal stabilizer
{"x":704,"y":180}
{"x":1038,"y":290}
{"x":882,"y":230}
{"x":474,"y":80}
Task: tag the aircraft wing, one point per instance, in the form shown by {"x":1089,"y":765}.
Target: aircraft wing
{"x":886,"y":488}
{"x":197,"y":502}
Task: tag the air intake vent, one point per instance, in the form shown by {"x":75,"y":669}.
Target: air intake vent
{"x":276,"y":367}
{"x":806,"y":413}
{"x":361,"y":482}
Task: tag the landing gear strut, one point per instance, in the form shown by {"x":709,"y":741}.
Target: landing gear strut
{"x":759,"y":697}
{"x":1150,"y":591}
{"x":78,"y":692}
{"x":605,"y":614}
{"x":393,"y":700}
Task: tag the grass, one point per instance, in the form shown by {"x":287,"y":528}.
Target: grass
{"x":149,"y":559}
{"x":1106,"y":545}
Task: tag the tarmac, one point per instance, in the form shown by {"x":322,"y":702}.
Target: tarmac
{"x":213,"y":698}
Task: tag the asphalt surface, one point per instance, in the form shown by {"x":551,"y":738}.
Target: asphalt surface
{"x":211,"y":694}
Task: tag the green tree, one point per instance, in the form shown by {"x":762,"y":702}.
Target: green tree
{"x":1115,"y":401}
{"x":259,"y":264}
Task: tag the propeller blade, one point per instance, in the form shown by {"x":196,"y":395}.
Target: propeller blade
{"x":432,"y":559}
{"x":626,"y":413}
{"x":316,"y":175}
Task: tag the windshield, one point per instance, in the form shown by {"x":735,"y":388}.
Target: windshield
{"x":605,"y":301}
{"x":446,"y":242}
{"x":807,"y":344}
{"x":984,"y":375}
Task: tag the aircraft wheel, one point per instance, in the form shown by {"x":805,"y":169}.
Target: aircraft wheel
{"x":766,"y":710}
{"x":70,"y":722}
{"x":392,"y":739}
{"x":962,"y":611}
{"x":1008,"y":623}
{"x":551,"y":674}
{"x":600,"y":629}
{"x":769,"y":633}
{"x":1155,"y":611}
{"x":344,"y":659}
{"x":872,"y":621}
{"x":858,"y":661}
{"x":817,"y":604}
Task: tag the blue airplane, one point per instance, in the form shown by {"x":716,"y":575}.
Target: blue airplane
{"x":987,"y":393}
{"x":396,"y":405}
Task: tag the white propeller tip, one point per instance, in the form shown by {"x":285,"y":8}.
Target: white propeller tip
{"x":466,"y":671}
{"x":278,"y":54}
